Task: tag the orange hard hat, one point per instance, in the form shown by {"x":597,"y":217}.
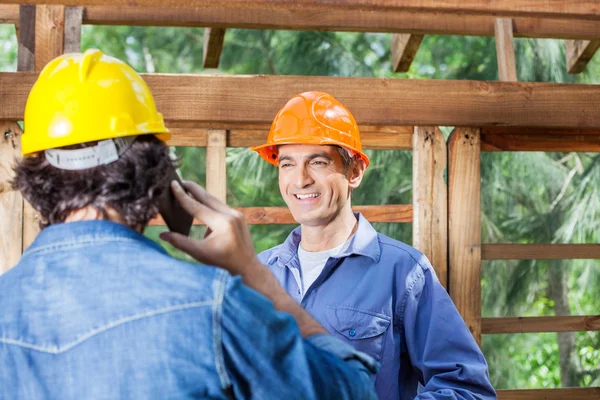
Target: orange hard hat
{"x":312,"y":118}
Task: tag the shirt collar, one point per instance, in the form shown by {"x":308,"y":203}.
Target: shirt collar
{"x":364,"y":242}
{"x":86,"y":231}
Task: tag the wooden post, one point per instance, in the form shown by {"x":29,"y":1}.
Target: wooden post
{"x":404,"y":49}
{"x":464,"y":225}
{"x":213,"y":45}
{"x":49,"y":34}
{"x":505,"y":50}
{"x":216,"y":166}
{"x":11,"y":202}
{"x":73,"y":21}
{"x":579,"y":53}
{"x":430,"y":202}
{"x":26,"y":37}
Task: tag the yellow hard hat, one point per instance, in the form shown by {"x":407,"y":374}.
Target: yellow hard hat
{"x":85,"y":97}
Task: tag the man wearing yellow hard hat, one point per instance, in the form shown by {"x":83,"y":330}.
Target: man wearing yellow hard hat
{"x":375,"y":293}
{"x":94,"y":310}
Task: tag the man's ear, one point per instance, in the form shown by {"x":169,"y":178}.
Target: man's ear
{"x":356,"y":173}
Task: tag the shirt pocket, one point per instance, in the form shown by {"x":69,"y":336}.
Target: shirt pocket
{"x":364,"y":330}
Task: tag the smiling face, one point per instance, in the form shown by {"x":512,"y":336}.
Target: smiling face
{"x":314,"y":183}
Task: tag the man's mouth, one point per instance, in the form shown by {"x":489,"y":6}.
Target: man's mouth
{"x":304,"y":196}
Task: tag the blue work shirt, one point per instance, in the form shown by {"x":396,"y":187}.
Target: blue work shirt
{"x":383,"y":297}
{"x":94,"y":310}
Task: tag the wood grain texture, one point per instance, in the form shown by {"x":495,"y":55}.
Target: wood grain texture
{"x":340,"y":19}
{"x":213,"y":45}
{"x":464,"y":225}
{"x":579,"y":53}
{"x":590,"y":393}
{"x":73,"y":21}
{"x":505,"y":50}
{"x":404,"y":48}
{"x":235,"y":99}
{"x":577,"y":323}
{"x":540,"y":251}
{"x":49,"y":34}
{"x":583,"y":9}
{"x":281,"y":215}
{"x":26,"y":38}
{"x":430,"y":198}
{"x":11,"y":202}
{"x":216,"y":164}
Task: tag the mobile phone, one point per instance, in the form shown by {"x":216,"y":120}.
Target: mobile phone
{"x":174,"y":215}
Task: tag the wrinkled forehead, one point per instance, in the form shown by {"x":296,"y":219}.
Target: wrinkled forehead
{"x":306,"y":150}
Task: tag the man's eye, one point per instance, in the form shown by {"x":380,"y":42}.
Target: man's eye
{"x":285,"y":165}
{"x":317,"y":162}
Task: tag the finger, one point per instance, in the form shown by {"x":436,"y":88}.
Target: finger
{"x":191,"y":247}
{"x":206,"y":198}
{"x":205,"y":214}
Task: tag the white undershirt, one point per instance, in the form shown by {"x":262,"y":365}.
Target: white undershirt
{"x":313,"y":262}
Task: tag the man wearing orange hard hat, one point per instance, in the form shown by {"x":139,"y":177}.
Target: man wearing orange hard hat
{"x":378,"y":294}
{"x":95,"y":310}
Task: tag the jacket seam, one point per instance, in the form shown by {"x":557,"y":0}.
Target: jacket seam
{"x":104,"y":328}
{"x":221,"y":283}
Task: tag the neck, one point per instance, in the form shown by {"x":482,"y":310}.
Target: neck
{"x":90,"y":214}
{"x":330,"y":235}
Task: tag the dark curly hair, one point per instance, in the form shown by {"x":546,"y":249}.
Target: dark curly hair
{"x":131,"y":185}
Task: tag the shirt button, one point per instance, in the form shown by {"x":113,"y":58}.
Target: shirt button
{"x":352,"y":333}
{"x":298,"y":291}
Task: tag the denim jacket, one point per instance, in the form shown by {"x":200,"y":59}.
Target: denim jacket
{"x":94,"y":310}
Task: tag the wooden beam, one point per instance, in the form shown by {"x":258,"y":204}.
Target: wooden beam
{"x":216,"y":165}
{"x":430,"y":200}
{"x":234,"y":99}
{"x":11,"y":202}
{"x":26,"y":38}
{"x":73,"y":21}
{"x":401,"y":139}
{"x":583,"y":9}
{"x":404,"y":49}
{"x":402,"y":213}
{"x":505,"y":50}
{"x":9,"y":14}
{"x":540,"y":251}
{"x":582,"y":143}
{"x":340,"y":19}
{"x":213,"y":45}
{"x":577,"y":323}
{"x":587,"y":393}
{"x":579,"y":53}
{"x":49,"y":34}
{"x":464,"y":225}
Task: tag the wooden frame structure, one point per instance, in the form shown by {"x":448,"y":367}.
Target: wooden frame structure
{"x":489,"y":116}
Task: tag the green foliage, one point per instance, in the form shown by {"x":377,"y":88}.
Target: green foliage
{"x":526,"y":197}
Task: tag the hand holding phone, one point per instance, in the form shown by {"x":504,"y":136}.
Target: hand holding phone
{"x":177,"y":219}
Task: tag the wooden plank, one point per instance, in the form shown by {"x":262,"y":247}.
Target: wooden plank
{"x":11,"y":202}
{"x":339,"y":20}
{"x":404,"y":49}
{"x":430,"y":199}
{"x":464,"y":225}
{"x":247,"y":138}
{"x":513,"y":142}
{"x":216,"y":164}
{"x":49,"y":34}
{"x":579,"y":53}
{"x":583,"y":9}
{"x":401,"y":213}
{"x":9,"y":14}
{"x":577,"y":323}
{"x":540,"y":251}
{"x":73,"y":20}
{"x":26,"y":38}
{"x":213,"y":45}
{"x":236,"y":99}
{"x":588,"y":393}
{"x":505,"y":50}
